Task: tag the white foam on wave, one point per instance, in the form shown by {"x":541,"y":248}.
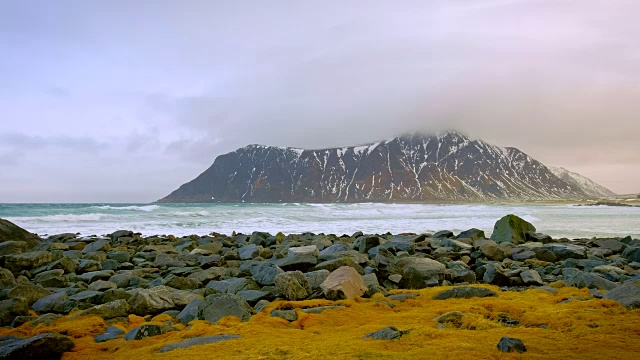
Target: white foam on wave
{"x":146,"y":208}
{"x":61,"y":218}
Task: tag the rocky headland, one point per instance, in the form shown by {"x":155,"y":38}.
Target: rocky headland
{"x":123,"y":294}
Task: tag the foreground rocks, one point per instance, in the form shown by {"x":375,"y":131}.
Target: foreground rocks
{"x":48,"y":346}
{"x":211,"y":277}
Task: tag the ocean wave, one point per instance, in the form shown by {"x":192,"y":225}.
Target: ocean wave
{"x":63,"y":218}
{"x":146,"y":208}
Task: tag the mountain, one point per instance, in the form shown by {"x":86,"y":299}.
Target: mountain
{"x":588,"y":186}
{"x":413,"y":168}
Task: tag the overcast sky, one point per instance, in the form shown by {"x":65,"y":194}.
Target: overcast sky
{"x":123,"y":101}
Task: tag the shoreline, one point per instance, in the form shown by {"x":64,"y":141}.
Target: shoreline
{"x":163,"y":286}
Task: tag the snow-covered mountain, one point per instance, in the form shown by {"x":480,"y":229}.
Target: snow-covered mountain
{"x":588,"y":186}
{"x":411,"y":168}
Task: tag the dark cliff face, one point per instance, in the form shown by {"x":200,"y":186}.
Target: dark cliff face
{"x":416,"y":168}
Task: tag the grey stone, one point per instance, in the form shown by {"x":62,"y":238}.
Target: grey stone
{"x":221,"y":305}
{"x":628,"y":295}
{"x":233,"y":285}
{"x":388,"y":333}
{"x":47,"y":346}
{"x":97,"y":245}
{"x":464,"y":292}
{"x":289,"y":315}
{"x":203,"y":340}
{"x":265,"y":273}
{"x":531,"y":277}
{"x":48,"y":303}
{"x":143,"y":331}
{"x":29,"y":292}
{"x":158,"y":299}
{"x":293,"y":285}
{"x":507,"y":344}
{"x":191,"y":311}
{"x":511,"y":228}
{"x":114,"y":309}
{"x":590,"y":280}
{"x":249,"y":252}
{"x":27,"y":261}
{"x":11,"y":308}
{"x":7,"y":280}
{"x":111,"y":333}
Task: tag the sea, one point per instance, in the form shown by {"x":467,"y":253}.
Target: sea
{"x":557,"y":220}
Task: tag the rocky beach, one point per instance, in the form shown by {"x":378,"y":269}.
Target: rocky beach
{"x":299,"y":296}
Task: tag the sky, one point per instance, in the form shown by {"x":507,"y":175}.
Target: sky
{"x":123,"y":101}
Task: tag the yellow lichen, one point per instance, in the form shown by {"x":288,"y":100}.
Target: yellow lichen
{"x":576,"y":329}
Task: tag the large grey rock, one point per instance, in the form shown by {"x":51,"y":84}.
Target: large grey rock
{"x":632,"y":254}
{"x":98,"y":245}
{"x":7,"y":280}
{"x":564,"y":251}
{"x":52,"y":278}
{"x":583,"y":279}
{"x":49,"y":303}
{"x":511,"y":228}
{"x":203,"y":340}
{"x":492,"y":251}
{"x":47,"y":346}
{"x":464,"y":292}
{"x":531,"y":277}
{"x":265,"y":273}
{"x":298,"y":261}
{"x":12,"y":232}
{"x":316,"y":278}
{"x":13,"y":247}
{"x":29,"y":292}
{"x":473,"y":234}
{"x":110,"y":310}
{"x":27,"y":261}
{"x":418,"y":273}
{"x":11,"y":308}
{"x":249,"y":252}
{"x":221,"y":305}
{"x":627,"y":295}
{"x":191,"y":311}
{"x":233,"y":285}
{"x":343,"y":283}
{"x":293,"y":285}
{"x":158,"y":299}
{"x":334,"y":264}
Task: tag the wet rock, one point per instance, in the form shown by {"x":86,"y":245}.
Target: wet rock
{"x":143,"y":331}
{"x":464,"y":292}
{"x":47,"y":346}
{"x":289,"y":315}
{"x":343,"y":283}
{"x":221,"y":305}
{"x":507,"y":344}
{"x":511,"y":228}
{"x":11,"y":308}
{"x":203,"y":340}
{"x":388,"y":333}
{"x":293,"y":285}
{"x":111,"y":333}
{"x":158,"y":299}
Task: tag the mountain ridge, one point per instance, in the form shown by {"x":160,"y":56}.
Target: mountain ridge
{"x":448,"y":167}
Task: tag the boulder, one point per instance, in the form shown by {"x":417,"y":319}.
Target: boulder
{"x":52,"y":278}
{"x":418,"y":273}
{"x":628,"y":295}
{"x":507,"y":344}
{"x":47,"y":346}
{"x":220,"y":305}
{"x":27,"y":261}
{"x":334,"y":264}
{"x":343,"y":283}
{"x":265,"y":273}
{"x":531,"y":277}
{"x":473,"y":234}
{"x":564,"y":251}
{"x":464,"y":292}
{"x":110,"y":310}
{"x":511,"y":228}
{"x":293,"y":285}
{"x":12,"y":232}
{"x":316,"y":278}
{"x":492,"y":251}
{"x":158,"y":299}
{"x":13,"y":247}
{"x":581,"y":279}
{"x":11,"y":308}
{"x":7,"y":280}
{"x":29,"y":292}
{"x":289,"y":315}
{"x":98,"y":245}
{"x":49,"y":303}
{"x":249,"y":252}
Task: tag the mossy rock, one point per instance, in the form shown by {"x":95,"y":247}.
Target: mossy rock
{"x":12,"y":232}
{"x":511,"y":228}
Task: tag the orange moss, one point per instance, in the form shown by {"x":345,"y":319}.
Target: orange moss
{"x":592,"y":329}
